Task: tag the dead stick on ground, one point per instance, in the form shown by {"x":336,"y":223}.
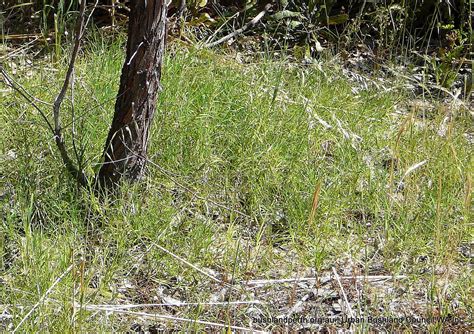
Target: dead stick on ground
{"x":250,"y":24}
{"x":130,"y":306}
{"x":168,"y":317}
{"x":313,"y":279}
{"x":349,"y":309}
{"x":43,"y":297}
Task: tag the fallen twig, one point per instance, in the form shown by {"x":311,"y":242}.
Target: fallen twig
{"x":348,"y":306}
{"x":168,"y":317}
{"x":23,"y":48}
{"x":250,"y":24}
{"x":314,"y":279}
{"x":129,"y":306}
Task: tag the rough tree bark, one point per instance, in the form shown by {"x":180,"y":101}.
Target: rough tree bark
{"x":126,"y":145}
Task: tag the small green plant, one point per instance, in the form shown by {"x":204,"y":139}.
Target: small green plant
{"x":56,"y":18}
{"x":451,"y":57}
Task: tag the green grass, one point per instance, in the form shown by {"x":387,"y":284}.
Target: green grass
{"x":245,"y":136}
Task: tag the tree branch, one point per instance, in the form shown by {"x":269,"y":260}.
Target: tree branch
{"x":75,"y":171}
{"x":26,"y":95}
{"x":77,"y":42}
{"x":55,"y":127}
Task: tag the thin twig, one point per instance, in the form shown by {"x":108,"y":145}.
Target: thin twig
{"x":168,"y":317}
{"x":314,"y":279}
{"x":349,"y":308}
{"x":89,"y":108}
{"x":62,"y":93}
{"x":89,"y":17}
{"x":26,"y":95}
{"x":249,"y":24}
{"x":189,"y":264}
{"x":129,"y":306}
{"x":58,"y":136}
{"x":43,"y":297}
{"x":79,"y":157}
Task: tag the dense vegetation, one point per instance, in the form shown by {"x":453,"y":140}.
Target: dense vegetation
{"x":405,"y":24}
{"x":433,"y":36}
{"x":269,"y":159}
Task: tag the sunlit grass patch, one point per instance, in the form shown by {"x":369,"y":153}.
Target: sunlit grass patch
{"x":238,"y":152}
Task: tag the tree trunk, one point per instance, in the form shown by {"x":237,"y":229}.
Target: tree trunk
{"x":126,"y":145}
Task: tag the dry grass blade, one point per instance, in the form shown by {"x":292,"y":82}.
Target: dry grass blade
{"x":314,"y":206}
{"x":410,"y":170}
{"x":43,"y":297}
{"x":189,"y":264}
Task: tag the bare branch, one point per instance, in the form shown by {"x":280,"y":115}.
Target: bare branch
{"x":26,"y":95}
{"x":75,"y":171}
{"x":59,"y":99}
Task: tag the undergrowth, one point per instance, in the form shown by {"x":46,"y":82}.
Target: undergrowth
{"x":262,"y":170}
